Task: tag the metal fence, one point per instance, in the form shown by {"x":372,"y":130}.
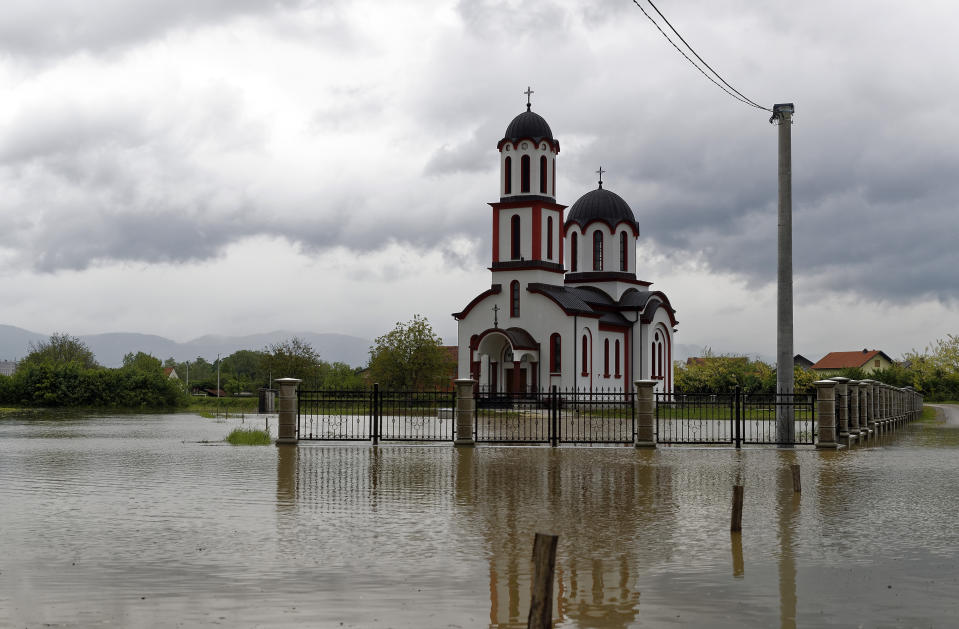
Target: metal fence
{"x":373,"y":414}
{"x":734,"y":418}
{"x":556,"y":416}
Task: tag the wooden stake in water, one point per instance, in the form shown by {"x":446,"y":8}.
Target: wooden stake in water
{"x":544,"y":565}
{"x":737,"y":520}
{"x":797,"y":484}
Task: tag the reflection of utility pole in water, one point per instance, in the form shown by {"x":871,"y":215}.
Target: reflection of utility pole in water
{"x":785,"y":426}
{"x":788,"y":512}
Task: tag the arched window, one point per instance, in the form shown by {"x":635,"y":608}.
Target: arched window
{"x":508,"y":176}
{"x":597,"y":250}
{"x":659,"y":350}
{"x":542,"y":174}
{"x":514,"y":237}
{"x":617,"y":358}
{"x":585,"y":355}
{"x":524,"y":174}
{"x":573,"y":252}
{"x":606,"y":357}
{"x":514,"y":299}
{"x":623,"y":256}
{"x":653,"y":356}
{"x":549,"y":237}
{"x":554,"y":177}
{"x":555,"y":353}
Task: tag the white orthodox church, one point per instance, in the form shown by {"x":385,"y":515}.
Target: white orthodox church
{"x":565,"y":307}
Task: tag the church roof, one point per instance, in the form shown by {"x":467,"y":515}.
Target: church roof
{"x":594,"y":302}
{"x":528,"y":124}
{"x":566,"y":298}
{"x":601,"y":205}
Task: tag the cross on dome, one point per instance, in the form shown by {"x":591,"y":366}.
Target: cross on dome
{"x":528,"y":93}
{"x":600,"y":173}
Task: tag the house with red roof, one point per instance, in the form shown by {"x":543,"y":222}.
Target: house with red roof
{"x":869,"y":360}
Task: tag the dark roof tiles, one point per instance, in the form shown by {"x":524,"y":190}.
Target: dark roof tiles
{"x":528,"y":125}
{"x":601,"y":205}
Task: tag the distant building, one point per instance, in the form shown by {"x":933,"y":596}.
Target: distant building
{"x":869,"y":360}
{"x":7,"y":367}
{"x":170,"y":373}
{"x":801,"y":362}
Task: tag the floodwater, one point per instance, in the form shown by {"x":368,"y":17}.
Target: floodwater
{"x":130,"y":521}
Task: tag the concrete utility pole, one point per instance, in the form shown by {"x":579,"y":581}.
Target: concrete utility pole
{"x":785,"y":425}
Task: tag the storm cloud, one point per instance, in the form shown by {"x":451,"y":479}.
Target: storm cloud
{"x":166,"y":132}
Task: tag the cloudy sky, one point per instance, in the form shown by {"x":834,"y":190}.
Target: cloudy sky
{"x":187,"y":167}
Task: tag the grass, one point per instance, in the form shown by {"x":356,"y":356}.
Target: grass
{"x":928,"y":413}
{"x":249,"y":437}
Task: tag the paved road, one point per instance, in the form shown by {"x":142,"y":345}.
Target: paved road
{"x":950,"y":412}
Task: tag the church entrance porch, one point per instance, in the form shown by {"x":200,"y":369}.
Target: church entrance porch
{"x":505,"y":362}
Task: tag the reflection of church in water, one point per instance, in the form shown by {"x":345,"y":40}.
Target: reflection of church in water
{"x":565,"y":307}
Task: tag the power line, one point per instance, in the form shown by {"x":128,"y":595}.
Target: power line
{"x":725,"y":86}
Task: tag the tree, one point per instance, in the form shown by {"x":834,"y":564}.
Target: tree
{"x":294,"y":358}
{"x":142,"y":362}
{"x":410,"y":357}
{"x":60,"y":349}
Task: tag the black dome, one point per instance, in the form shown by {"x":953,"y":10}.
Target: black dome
{"x":601,"y":205}
{"x":528,"y":125}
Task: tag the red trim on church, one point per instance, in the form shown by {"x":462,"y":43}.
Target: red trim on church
{"x":495,"y":289}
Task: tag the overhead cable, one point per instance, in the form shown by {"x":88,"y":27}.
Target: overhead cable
{"x":724,"y":85}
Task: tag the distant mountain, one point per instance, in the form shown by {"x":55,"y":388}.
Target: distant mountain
{"x":15,"y":342}
{"x":110,"y":348}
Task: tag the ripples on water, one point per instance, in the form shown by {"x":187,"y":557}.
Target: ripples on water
{"x":130,"y":521}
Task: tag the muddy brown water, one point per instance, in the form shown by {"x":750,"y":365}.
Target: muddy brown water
{"x":128,"y":521}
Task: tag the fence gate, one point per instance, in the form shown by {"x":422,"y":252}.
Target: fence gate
{"x":733,"y":418}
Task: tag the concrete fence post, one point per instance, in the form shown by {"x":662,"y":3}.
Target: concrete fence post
{"x":465,"y":412}
{"x":877,"y":404}
{"x":286,"y":428}
{"x":884,"y":404}
{"x":645,"y":414}
{"x":842,"y":402}
{"x":826,"y":413}
{"x":855,"y":425}
{"x":864,"y":426}
{"x":866,"y":405}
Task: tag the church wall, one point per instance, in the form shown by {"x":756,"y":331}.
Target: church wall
{"x":515,"y":152}
{"x":557,"y":236}
{"x":630,"y":248}
{"x":570,"y":264}
{"x":505,"y":233}
{"x":664,"y":379}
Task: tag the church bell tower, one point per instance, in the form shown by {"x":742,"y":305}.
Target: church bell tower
{"x":527,"y":221}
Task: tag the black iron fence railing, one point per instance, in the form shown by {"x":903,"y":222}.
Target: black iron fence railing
{"x":735,"y":418}
{"x":374,"y":414}
{"x":556,"y":416}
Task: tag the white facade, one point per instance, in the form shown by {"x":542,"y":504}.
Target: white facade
{"x":565,"y":307}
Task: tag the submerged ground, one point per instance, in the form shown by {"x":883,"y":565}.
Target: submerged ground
{"x":132,"y":521}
